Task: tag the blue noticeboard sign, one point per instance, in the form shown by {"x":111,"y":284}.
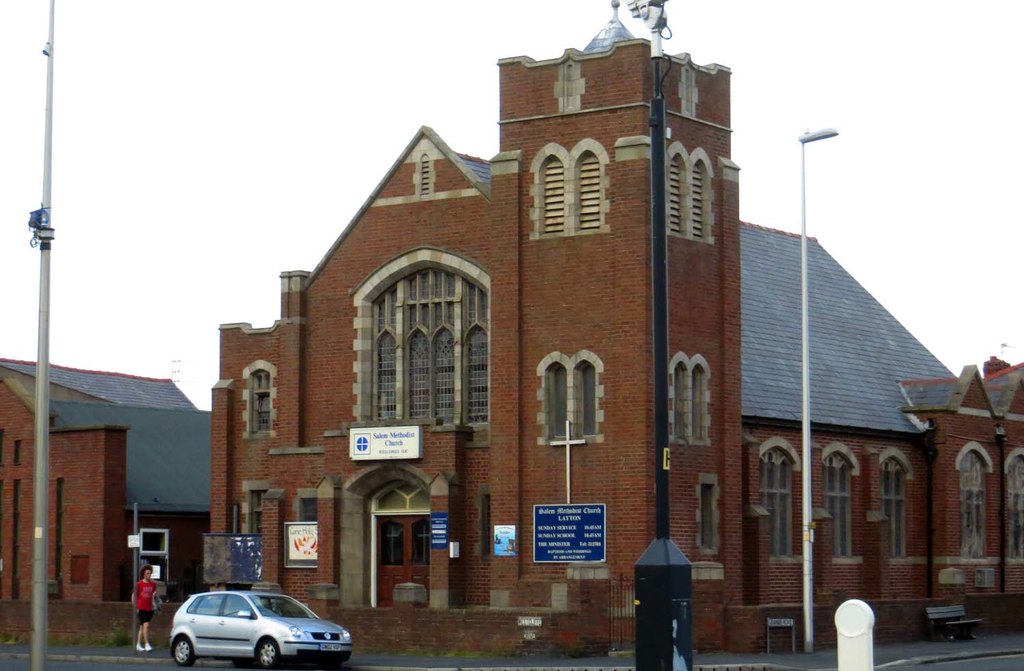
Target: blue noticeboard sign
{"x":569,"y":532}
{"x":438,"y":531}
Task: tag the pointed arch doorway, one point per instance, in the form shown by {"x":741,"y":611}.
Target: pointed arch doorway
{"x":401,"y":522}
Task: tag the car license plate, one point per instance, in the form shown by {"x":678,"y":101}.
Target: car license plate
{"x":330,"y":646}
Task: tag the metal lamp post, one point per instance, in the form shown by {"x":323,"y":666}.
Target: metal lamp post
{"x":805,"y":415}
{"x":42,"y":236}
{"x":663,"y":587}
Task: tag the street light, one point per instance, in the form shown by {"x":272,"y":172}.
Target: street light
{"x":42,"y":236}
{"x":663,"y":586}
{"x":805,"y":415}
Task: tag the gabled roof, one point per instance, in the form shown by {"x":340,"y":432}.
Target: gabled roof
{"x":859,"y":352}
{"x":949,"y":394}
{"x":995,"y":394}
{"x":168,"y":452}
{"x":1007,"y":393}
{"x":476,"y":170}
{"x":111,"y":387}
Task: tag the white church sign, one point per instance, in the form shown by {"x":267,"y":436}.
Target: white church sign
{"x":388,"y":442}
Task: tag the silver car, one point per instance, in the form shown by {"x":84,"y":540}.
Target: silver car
{"x":259,"y":628}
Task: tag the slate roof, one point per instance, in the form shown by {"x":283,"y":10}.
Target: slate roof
{"x":859,"y":352}
{"x":478,"y":166}
{"x":168,"y":452}
{"x":997,"y":382}
{"x":929,"y":393}
{"x":112,"y":387}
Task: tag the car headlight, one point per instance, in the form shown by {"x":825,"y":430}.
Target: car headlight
{"x":295,"y":631}
{"x":345,"y":636}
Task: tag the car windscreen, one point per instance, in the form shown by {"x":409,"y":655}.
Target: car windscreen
{"x":281,"y":607}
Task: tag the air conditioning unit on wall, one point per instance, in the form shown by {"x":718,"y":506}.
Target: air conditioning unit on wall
{"x":984,"y":577}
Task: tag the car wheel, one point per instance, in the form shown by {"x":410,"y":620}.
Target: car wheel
{"x":183,"y":652}
{"x":242,"y":662}
{"x":268,"y":655}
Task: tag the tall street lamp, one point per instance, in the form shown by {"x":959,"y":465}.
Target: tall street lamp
{"x":805,"y":415}
{"x":42,"y":236}
{"x":663,"y":587}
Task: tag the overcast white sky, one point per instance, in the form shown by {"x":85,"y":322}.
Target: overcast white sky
{"x":201,"y":147}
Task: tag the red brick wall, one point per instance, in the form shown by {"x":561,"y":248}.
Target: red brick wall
{"x":91,"y":462}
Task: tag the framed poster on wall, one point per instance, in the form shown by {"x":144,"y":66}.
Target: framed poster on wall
{"x":300,"y":539}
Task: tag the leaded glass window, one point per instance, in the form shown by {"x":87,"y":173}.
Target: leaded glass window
{"x":837,"y":502}
{"x":1015,"y":506}
{"x":681,"y":402}
{"x":477,"y":384}
{"x":557,"y":389}
{"x":776,"y":497}
{"x":894,"y":483}
{"x":972,"y":506}
{"x":586,"y":390}
{"x":260,"y":381}
{"x":444,"y":375}
{"x":699,"y":404}
{"x":431,"y":354}
{"x":419,"y":376}
{"x":386,"y":405}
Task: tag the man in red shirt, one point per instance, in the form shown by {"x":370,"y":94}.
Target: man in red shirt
{"x":142,"y":599}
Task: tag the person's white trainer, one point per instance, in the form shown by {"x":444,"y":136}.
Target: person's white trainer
{"x":139,"y":648}
{"x":148,"y":648}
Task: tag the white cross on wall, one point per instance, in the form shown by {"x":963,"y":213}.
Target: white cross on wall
{"x":567,"y":443}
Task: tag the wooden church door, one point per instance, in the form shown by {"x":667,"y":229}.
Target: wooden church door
{"x":403,"y":553}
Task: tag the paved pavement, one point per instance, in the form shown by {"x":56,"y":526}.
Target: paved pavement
{"x":886,"y":656}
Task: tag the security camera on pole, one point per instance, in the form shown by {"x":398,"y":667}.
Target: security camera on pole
{"x":664,"y":621}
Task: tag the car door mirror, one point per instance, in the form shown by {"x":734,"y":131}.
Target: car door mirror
{"x":246,"y":613}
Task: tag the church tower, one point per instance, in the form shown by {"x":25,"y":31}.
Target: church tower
{"x":573,"y":180}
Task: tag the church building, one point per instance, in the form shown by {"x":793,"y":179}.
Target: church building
{"x":450,"y":425}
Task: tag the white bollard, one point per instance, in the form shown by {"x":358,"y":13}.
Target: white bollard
{"x":854,"y":640}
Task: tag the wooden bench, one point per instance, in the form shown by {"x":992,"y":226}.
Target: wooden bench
{"x":951,"y":622}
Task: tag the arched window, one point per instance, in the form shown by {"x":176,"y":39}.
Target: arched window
{"x":894,"y":505}
{"x":476,"y":374}
{"x":972,"y":505}
{"x":441,"y":372}
{"x":554,"y":195}
{"x":557,"y":386}
{"x":444,"y":375}
{"x":419,"y":376}
{"x":569,"y":190}
{"x":680,"y":402}
{"x":837,"y":502}
{"x":586,"y":398}
{"x":676,"y":175}
{"x":589,"y":167}
{"x":259,"y":388}
{"x":699,"y":404}
{"x":698,"y":199}
{"x":259,"y":394}
{"x":776,"y":497}
{"x":1015,"y":506}
{"x":386,"y":376}
{"x":571,"y":390}
{"x":425,"y":176}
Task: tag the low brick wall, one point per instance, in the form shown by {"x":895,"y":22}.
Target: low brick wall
{"x":88,"y":621}
{"x":483,"y":631}
{"x":525,"y":631}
